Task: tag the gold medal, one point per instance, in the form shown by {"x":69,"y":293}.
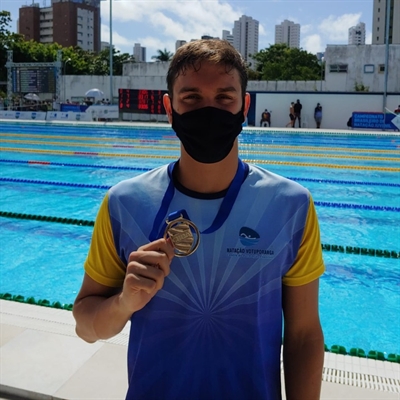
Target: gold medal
{"x":180,"y":231}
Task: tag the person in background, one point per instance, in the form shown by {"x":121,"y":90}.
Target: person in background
{"x":291,"y":115}
{"x":350,"y":123}
{"x":397,"y":110}
{"x":265,"y":118}
{"x":297,"y":113}
{"x":318,"y":115}
{"x":208,"y":256}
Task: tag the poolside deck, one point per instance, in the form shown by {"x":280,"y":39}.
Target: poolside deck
{"x":42,"y":358}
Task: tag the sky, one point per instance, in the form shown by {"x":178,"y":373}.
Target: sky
{"x":157,"y":24}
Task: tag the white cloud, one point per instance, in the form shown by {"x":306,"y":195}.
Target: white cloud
{"x":305,"y":29}
{"x":180,"y":19}
{"x":312,"y":43}
{"x":117,"y":39}
{"x":337,"y":28}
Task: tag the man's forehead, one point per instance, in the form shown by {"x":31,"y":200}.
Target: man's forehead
{"x":193,"y":79}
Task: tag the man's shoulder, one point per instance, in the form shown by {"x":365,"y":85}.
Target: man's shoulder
{"x":268,"y":180}
{"x":142,"y":182}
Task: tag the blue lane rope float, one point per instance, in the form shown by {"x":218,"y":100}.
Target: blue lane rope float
{"x":340,"y":182}
{"x":356,"y":206}
{"x":336,"y":349}
{"x":68,"y":184}
{"x":89,"y":186}
{"x":326,"y":247}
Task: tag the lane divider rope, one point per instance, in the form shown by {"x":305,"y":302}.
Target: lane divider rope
{"x":169,"y":141}
{"x":148,"y":169}
{"x":147,"y":156}
{"x":244,"y":152}
{"x":89,"y":186}
{"x":326,"y":247}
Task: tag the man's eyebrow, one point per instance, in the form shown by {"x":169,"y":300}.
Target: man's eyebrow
{"x":187,"y":89}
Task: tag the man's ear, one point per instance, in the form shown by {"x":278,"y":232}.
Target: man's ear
{"x":167,"y":101}
{"x":246,"y":104}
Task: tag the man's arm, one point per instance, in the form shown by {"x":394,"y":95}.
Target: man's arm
{"x":303,"y":346}
{"x":101,"y":312}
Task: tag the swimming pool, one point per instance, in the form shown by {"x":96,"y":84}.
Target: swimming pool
{"x":63,"y":171}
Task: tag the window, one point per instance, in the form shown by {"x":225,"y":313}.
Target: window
{"x":338,"y":67}
{"x":381,"y":68}
{"x":369,"y":69}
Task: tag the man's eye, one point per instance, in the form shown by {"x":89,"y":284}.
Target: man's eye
{"x":191,"y":97}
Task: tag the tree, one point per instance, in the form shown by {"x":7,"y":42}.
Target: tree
{"x":7,"y":40}
{"x":279,"y":62}
{"x":162,"y":56}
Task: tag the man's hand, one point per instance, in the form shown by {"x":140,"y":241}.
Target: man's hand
{"x":147,"y":268}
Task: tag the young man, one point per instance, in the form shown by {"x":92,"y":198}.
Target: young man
{"x":203,"y":255}
{"x":291,"y":115}
{"x":297,"y":112}
{"x":265,"y":119}
{"x":318,"y":115}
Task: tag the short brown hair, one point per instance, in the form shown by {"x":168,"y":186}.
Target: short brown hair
{"x":215,"y":51}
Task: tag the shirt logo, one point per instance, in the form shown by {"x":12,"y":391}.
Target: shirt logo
{"x":248,"y":237}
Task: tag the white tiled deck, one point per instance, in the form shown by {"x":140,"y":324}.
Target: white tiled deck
{"x":42,"y":358}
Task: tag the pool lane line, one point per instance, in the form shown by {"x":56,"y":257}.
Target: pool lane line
{"x":243,"y":152}
{"x":98,"y":154}
{"x":106,"y":187}
{"x":89,"y":186}
{"x":144,"y":169}
{"x":241,"y":145}
{"x":326,"y":247}
{"x":163,"y":141}
{"x":105,"y":145}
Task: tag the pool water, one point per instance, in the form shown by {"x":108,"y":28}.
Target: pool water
{"x":360,"y":295}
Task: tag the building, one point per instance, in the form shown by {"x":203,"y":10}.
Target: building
{"x":104,"y":45}
{"x":245,"y":38}
{"x":379,"y":22}
{"x":66,"y":22}
{"x":179,"y":43}
{"x":352,"y":68}
{"x":139,"y":53}
{"x":288,"y":33}
{"x":357,"y":34}
{"x":227,"y":35}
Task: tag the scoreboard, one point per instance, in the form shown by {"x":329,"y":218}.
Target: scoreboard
{"x":141,"y":101}
{"x":34,"y":79}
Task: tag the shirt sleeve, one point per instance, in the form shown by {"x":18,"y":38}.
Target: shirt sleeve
{"x":103,"y":264}
{"x":308,"y":264}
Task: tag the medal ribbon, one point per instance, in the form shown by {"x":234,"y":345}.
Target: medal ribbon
{"x":223,"y":212}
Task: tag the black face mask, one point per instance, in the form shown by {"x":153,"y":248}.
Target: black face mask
{"x":208,"y":133}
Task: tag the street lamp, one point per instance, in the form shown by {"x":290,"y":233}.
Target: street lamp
{"x":322,"y":62}
{"x":64,"y":74}
{"x":65,"y":65}
{"x":111,"y":56}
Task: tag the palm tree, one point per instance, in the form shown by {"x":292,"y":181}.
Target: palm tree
{"x":163,"y":55}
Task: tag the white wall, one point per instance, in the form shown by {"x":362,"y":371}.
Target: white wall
{"x":336,"y":108}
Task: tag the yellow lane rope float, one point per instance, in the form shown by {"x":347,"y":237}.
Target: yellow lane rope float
{"x":245,"y":152}
{"x":269,"y":162}
{"x":175,"y":142}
